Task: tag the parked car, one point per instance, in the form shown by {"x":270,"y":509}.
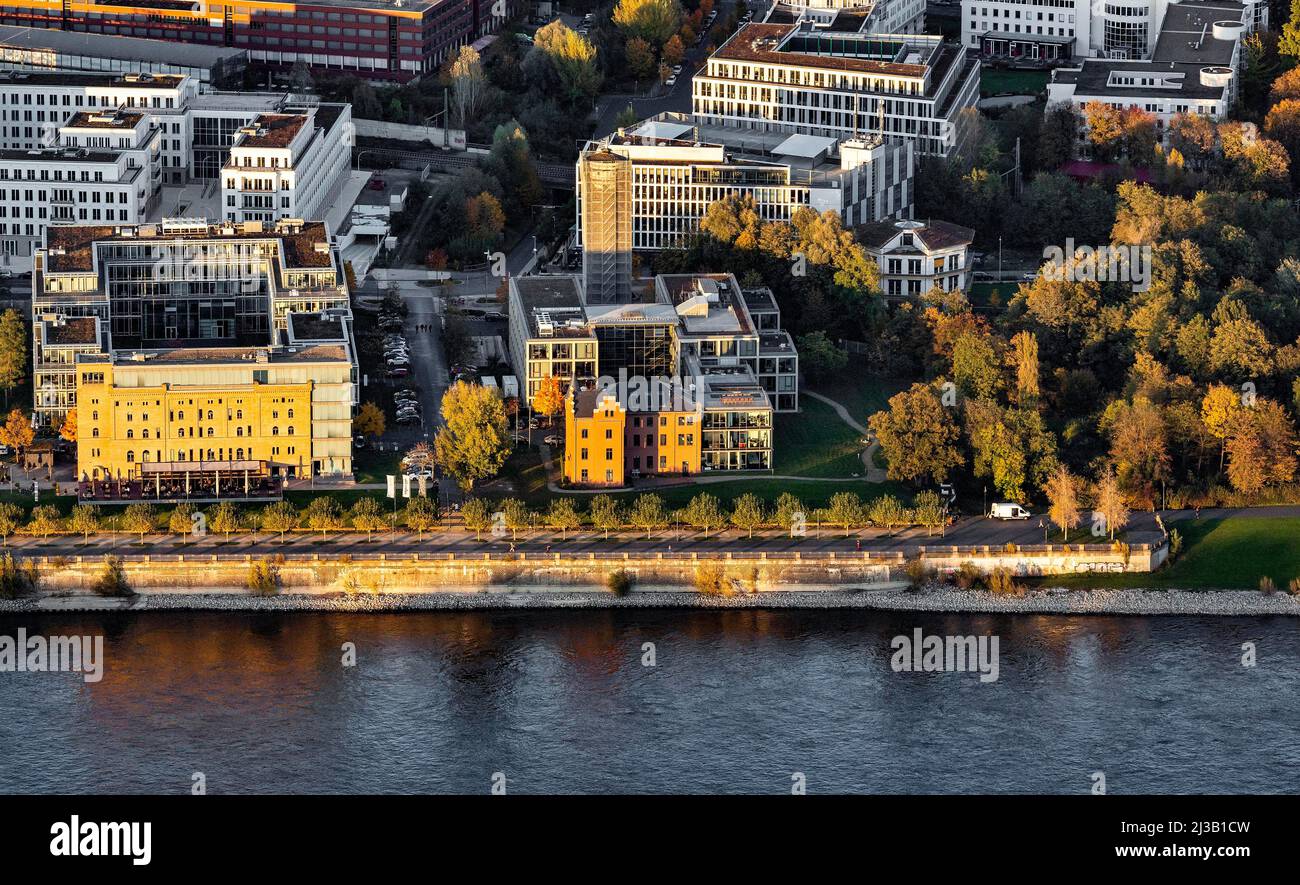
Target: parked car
{"x":671,"y":81}
{"x":1008,"y":511}
{"x":553,"y":440}
{"x":378,"y":184}
{"x":398,"y":372}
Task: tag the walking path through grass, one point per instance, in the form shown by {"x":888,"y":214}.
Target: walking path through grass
{"x":873,"y":473}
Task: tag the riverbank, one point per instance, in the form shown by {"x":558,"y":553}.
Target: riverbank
{"x":1055,"y":601}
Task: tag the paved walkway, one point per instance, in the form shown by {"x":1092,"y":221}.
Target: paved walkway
{"x":873,"y":473}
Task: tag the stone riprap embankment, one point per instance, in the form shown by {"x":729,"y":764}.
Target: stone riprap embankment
{"x":934,"y":599}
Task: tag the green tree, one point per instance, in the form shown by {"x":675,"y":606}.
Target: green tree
{"x":469,"y":85}
{"x":640,"y":57}
{"x":13,"y":351}
{"x":747,"y":513}
{"x":652,"y":20}
{"x":649,"y":513}
{"x":918,"y":436}
{"x":10,"y":518}
{"x":572,"y":59}
{"x":704,"y":512}
{"x":44,"y":521}
{"x":845,"y":510}
{"x":1110,"y":502}
{"x":421,"y":514}
{"x":928,"y":510}
{"x":138,"y":518}
{"x":976,"y":368}
{"x":477,"y":514}
{"x":324,"y":514}
{"x":605,"y":515}
{"x":280,"y":517}
{"x":474,"y":443}
{"x":224,"y":517}
{"x":1288,"y":44}
{"x":1063,"y":500}
{"x":1010,"y":446}
{"x":369,"y":420}
{"x":84,"y":519}
{"x":181,"y":520}
{"x":819,"y":357}
{"x":887,"y":512}
{"x":563,"y":516}
{"x":789,"y":514}
{"x":516,"y":514}
{"x":112,"y":580}
{"x":368,"y":516}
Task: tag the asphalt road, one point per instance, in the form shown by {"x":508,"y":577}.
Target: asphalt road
{"x":453,"y":538}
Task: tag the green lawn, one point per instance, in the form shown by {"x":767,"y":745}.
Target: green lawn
{"x":371,"y":465}
{"x":981,"y":294}
{"x":996,"y":82}
{"x":816,"y":442}
{"x":1227,"y":554}
{"x":857,"y":390}
{"x":524,"y":472}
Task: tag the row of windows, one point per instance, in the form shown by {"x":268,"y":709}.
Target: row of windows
{"x":188,"y":455}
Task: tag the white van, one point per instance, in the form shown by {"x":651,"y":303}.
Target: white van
{"x":1008,"y":511}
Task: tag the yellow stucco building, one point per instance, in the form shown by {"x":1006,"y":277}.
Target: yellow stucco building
{"x":194,"y":412}
{"x":605,"y":445}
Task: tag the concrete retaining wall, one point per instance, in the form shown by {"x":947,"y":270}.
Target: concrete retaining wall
{"x":423,"y":573}
{"x":438,"y":137}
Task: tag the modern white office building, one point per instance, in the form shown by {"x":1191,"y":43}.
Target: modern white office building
{"x":802,"y":79}
{"x":878,"y":16}
{"x":289,"y":165}
{"x":1192,"y":69}
{"x":677,"y":168}
{"x":1050,"y":32}
{"x":122,"y":137}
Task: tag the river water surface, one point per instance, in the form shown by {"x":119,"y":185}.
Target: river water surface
{"x":735,"y":702}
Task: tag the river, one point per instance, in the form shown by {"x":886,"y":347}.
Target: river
{"x":735,"y":702}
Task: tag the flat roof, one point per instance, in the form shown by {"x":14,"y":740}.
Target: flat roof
{"x":554,"y":297}
{"x":315,"y":327}
{"x":647,"y":313}
{"x":661,"y":129}
{"x":68,"y":246}
{"x":1092,"y":77}
{"x":106,"y":119}
{"x":59,"y":155}
{"x":241,"y":356}
{"x":191,"y":55}
{"x":271,"y":131}
{"x":772,"y":44}
{"x":1186,"y":34}
{"x":80,"y":78}
{"x":804,"y":146}
{"x":71,"y":331}
{"x":760,"y":298}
